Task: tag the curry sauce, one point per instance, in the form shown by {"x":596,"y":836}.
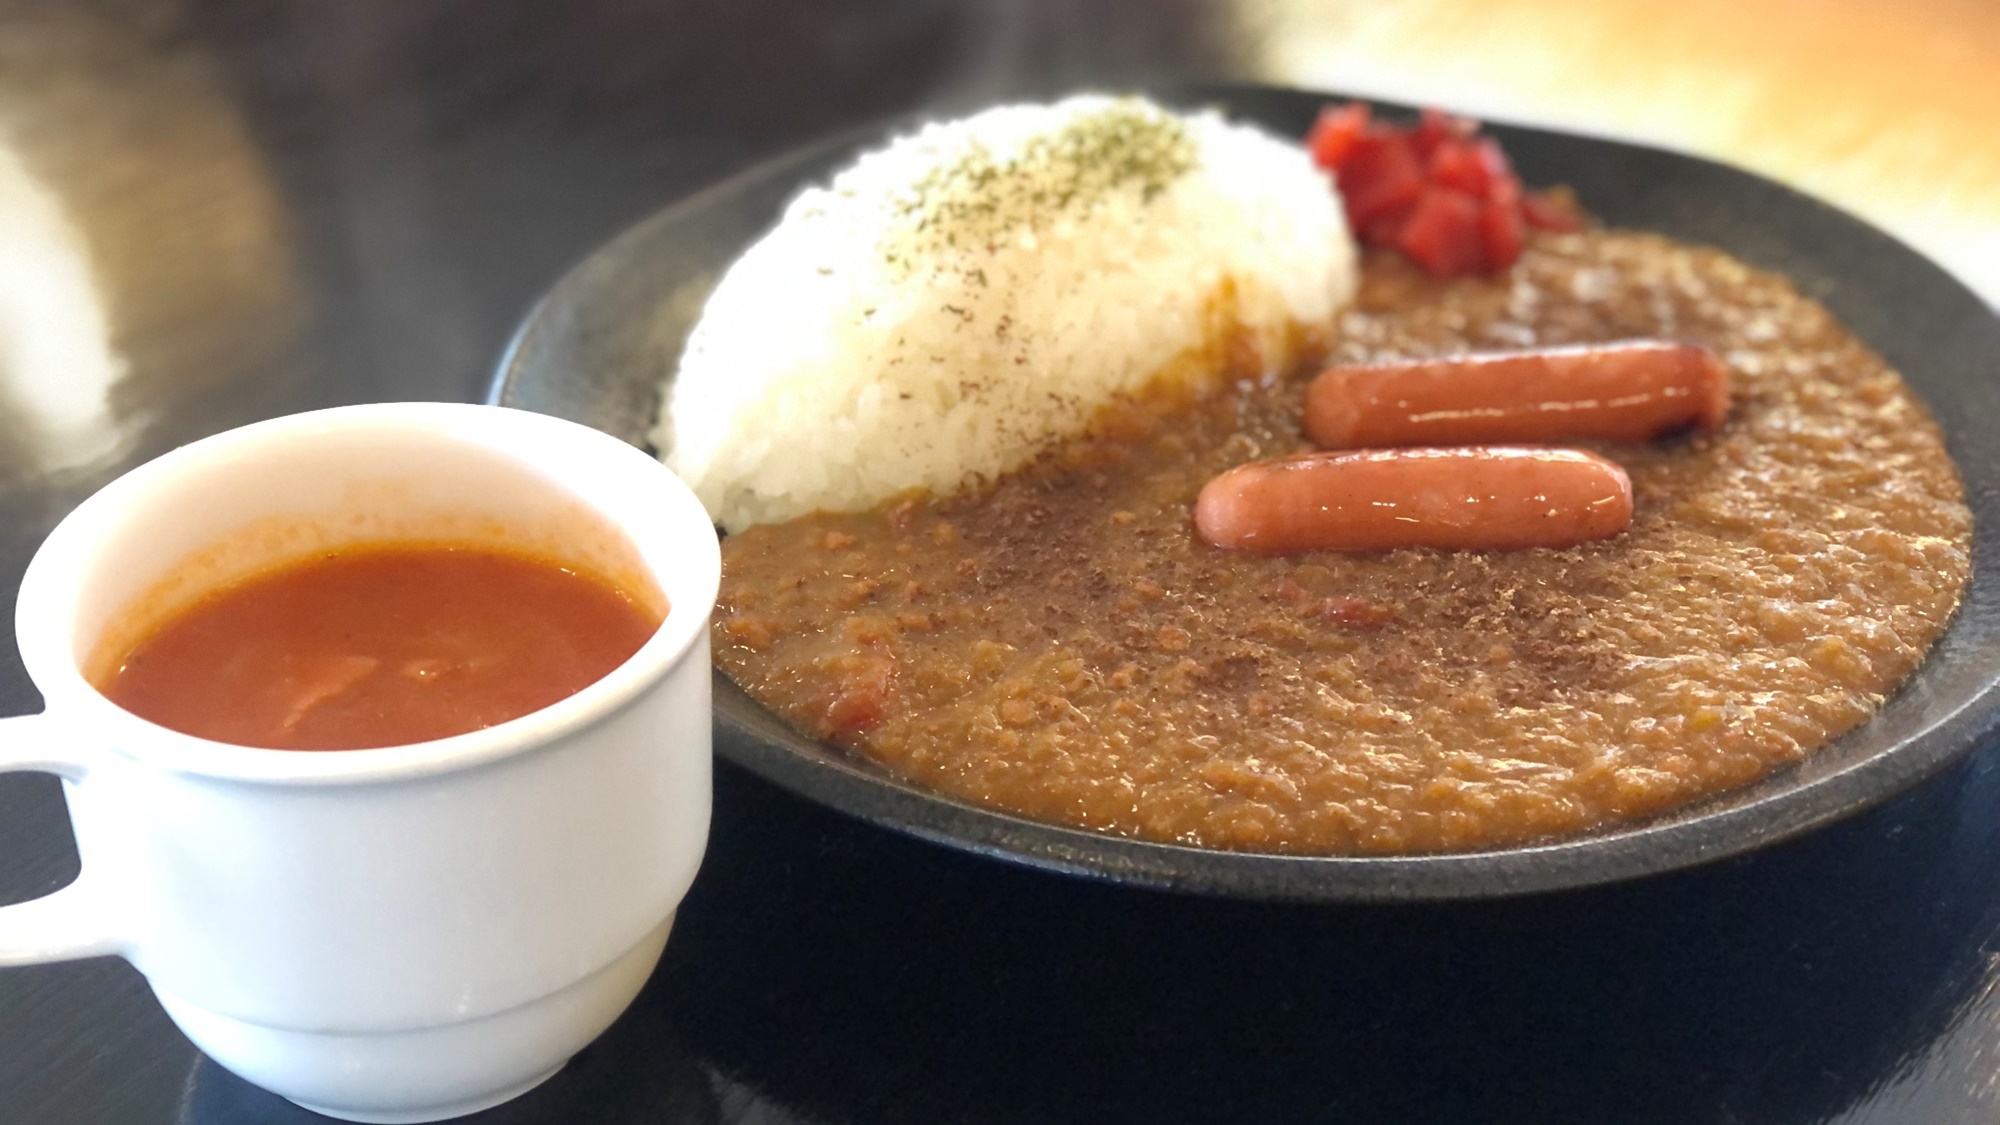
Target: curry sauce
{"x":1061,"y":645}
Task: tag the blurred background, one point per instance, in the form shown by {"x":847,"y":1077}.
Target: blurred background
{"x":217,"y":210}
{"x":209,"y":209}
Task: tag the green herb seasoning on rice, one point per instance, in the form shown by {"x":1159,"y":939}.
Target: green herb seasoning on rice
{"x":954,"y":303}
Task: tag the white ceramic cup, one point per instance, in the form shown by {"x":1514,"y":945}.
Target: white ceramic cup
{"x":395,"y":934}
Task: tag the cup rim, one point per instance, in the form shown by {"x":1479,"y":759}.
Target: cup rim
{"x":50,"y":596}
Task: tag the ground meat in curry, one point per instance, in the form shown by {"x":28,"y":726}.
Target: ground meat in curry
{"x":1062,"y":646}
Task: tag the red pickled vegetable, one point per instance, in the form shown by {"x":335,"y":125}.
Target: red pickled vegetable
{"x":1379,"y":176}
{"x":1443,"y":234}
{"x":1439,"y":192}
{"x":1436,"y":127}
{"x":1335,"y":131}
{"x":1474,"y":166}
{"x":1457,"y":165}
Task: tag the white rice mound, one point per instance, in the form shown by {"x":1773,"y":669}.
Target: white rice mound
{"x":953,"y":303}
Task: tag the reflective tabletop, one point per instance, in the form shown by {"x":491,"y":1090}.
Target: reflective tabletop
{"x":212,"y":212}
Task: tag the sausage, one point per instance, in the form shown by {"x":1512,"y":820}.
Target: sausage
{"x":1631,"y":391}
{"x":1484,"y":498}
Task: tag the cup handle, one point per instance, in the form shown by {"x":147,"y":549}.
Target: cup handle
{"x":73,"y":922}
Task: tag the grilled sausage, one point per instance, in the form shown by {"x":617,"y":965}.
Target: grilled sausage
{"x":1632,"y":391}
{"x":1487,"y":498}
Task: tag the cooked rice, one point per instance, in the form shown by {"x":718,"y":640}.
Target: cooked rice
{"x":956,"y":301}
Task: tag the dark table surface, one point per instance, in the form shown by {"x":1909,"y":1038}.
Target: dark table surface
{"x":282,"y":207}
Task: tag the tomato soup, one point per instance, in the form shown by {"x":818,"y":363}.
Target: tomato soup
{"x":379,"y":645}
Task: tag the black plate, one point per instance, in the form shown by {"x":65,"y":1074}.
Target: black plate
{"x":595,"y":347}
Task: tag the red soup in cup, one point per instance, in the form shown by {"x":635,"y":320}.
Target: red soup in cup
{"x":380,"y":645}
